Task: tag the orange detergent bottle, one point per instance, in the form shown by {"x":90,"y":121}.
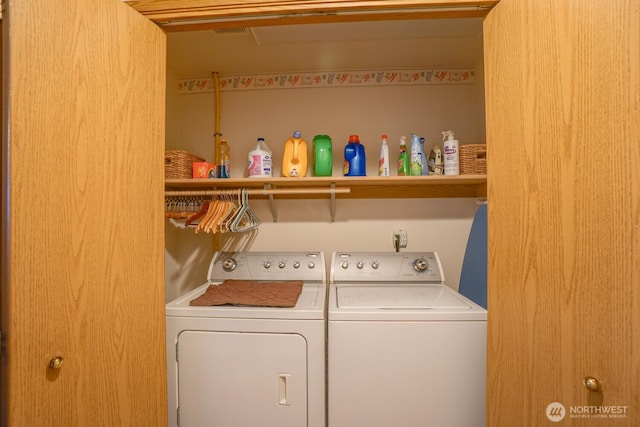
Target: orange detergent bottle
{"x":294,"y":159}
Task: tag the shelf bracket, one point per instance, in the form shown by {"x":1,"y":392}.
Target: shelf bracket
{"x":272,"y":203}
{"x":332,"y":206}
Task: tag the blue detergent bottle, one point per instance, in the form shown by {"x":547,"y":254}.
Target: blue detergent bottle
{"x":355,"y":163}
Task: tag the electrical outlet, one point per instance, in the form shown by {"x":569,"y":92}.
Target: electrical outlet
{"x":399,"y":238}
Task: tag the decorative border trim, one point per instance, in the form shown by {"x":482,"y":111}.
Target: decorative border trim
{"x":330,"y":79}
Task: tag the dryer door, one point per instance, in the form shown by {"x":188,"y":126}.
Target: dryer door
{"x":232,"y":379}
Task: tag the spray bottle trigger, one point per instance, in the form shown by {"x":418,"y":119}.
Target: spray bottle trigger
{"x":447,"y":135}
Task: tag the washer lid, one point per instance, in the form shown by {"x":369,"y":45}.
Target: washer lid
{"x":398,"y":297}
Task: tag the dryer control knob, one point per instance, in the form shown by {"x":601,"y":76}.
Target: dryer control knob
{"x":281,"y":264}
{"x":360,"y":265}
{"x":311,"y":264}
{"x":375,"y":265}
{"x":296,"y":264}
{"x":344,"y":265}
{"x":229,"y":264}
{"x":420,"y":265}
{"x":267,"y":264}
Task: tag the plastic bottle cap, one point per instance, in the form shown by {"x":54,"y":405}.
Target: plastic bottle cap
{"x":354,"y":139}
{"x":384,"y":136}
{"x":296,"y":134}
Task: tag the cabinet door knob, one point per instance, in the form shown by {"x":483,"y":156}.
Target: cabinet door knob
{"x":591,"y":383}
{"x":56,"y":362}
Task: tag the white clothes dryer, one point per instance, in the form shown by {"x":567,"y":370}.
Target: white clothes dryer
{"x":239,"y":366}
{"x":404,"y":349}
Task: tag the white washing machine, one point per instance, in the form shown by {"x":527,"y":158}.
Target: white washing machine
{"x":404,"y":349}
{"x":240,"y":366}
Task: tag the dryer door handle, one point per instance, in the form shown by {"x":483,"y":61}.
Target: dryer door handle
{"x":283,"y":389}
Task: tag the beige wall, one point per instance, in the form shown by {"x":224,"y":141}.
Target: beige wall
{"x":338,"y":112}
{"x":440,"y":225}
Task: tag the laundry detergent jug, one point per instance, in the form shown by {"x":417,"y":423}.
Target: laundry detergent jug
{"x":294,"y":159}
{"x":355,"y":163}
{"x":260,"y":161}
{"x":322,"y":155}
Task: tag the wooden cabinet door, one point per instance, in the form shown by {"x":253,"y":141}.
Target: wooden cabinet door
{"x":563,"y":139}
{"x":82,"y":242}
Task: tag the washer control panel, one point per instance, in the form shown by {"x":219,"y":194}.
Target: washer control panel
{"x":423,"y":267}
{"x":306,"y":266}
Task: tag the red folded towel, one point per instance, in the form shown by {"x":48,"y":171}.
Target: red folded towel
{"x":251,"y":293}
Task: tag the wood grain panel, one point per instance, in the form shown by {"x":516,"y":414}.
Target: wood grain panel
{"x":563,"y":129}
{"x":280,"y":12}
{"x":369,"y":187}
{"x":86,"y":137}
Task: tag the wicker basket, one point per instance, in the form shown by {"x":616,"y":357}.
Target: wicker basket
{"x":473,"y":159}
{"x":178,"y":164}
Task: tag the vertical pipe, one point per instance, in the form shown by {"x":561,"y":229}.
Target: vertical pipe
{"x":217,"y":243}
{"x":216,"y":133}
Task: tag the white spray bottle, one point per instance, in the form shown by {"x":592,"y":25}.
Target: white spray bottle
{"x":451,"y":154}
{"x":383,"y":163}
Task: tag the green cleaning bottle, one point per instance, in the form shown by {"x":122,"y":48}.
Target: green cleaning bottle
{"x":403,"y":158}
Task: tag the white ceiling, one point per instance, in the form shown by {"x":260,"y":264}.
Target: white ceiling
{"x":335,"y":46}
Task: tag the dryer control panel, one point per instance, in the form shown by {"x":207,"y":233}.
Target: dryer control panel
{"x":386,"y":267}
{"x":305,"y":266}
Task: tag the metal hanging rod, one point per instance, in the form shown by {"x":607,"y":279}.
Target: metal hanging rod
{"x":267,"y":191}
{"x":259,"y":191}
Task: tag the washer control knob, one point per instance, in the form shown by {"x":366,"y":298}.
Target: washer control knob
{"x":282,"y":264}
{"x":229,"y":264}
{"x":267,"y":264}
{"x":360,"y":265}
{"x":344,"y":265}
{"x":375,"y":265}
{"x":311,"y":264}
{"x":296,"y":264}
{"x":420,"y":265}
